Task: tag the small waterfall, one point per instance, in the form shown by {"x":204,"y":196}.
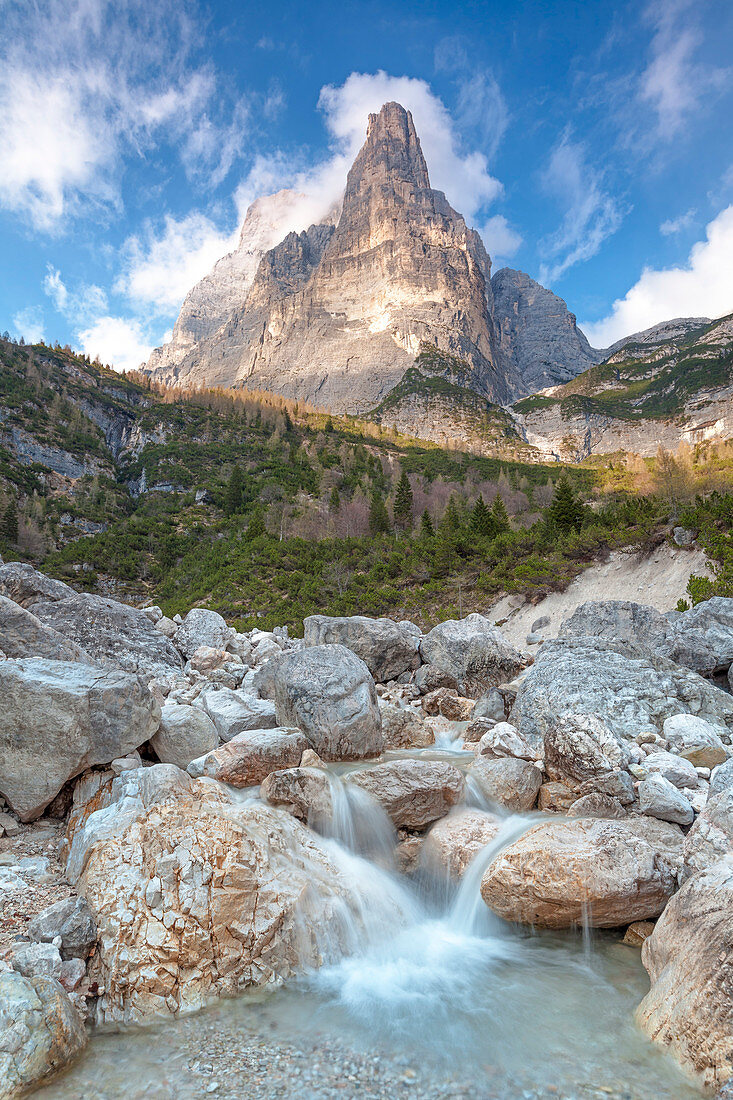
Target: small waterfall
{"x":468,"y":907}
{"x":358,"y":823}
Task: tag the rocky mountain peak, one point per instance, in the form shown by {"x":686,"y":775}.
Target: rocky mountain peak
{"x":392,"y":149}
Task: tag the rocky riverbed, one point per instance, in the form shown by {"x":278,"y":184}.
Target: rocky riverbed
{"x":328,"y":865}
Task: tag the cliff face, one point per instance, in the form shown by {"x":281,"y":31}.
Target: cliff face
{"x":343,"y":324}
{"x":537,"y":335}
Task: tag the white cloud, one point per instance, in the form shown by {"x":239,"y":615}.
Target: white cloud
{"x":676,"y":225}
{"x":160,"y":270}
{"x":28,"y":323}
{"x":481,"y":106}
{"x":591,"y":213}
{"x":674,"y":84}
{"x":502,"y":242}
{"x":117,"y":341}
{"x":84,"y":82}
{"x":81,"y":305}
{"x":703,"y":287}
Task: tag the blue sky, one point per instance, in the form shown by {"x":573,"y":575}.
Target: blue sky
{"x":590,"y":143}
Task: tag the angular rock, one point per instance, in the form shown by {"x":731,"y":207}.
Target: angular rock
{"x":689,"y":1007}
{"x":414,"y":793}
{"x":72,"y":921}
{"x":202,"y":627}
{"x":556,"y":798}
{"x":660,"y":798}
{"x":328,"y":692}
{"x":235,"y":712}
{"x":596,"y":804}
{"x":503,"y":739}
{"x":404,"y":729}
{"x":71,"y":717}
{"x":23,"y":635}
{"x":676,"y":769}
{"x":114,"y":634}
{"x":40,"y":1032}
{"x":491,"y":706}
{"x":629,"y":691}
{"x":508,"y":782}
{"x":387,"y":648}
{"x":24,"y":585}
{"x":711,"y":837}
{"x":305,"y":792}
{"x":453,"y":842}
{"x":428,"y":678}
{"x":37,"y":960}
{"x":608,"y":873}
{"x":703,"y":636}
{"x":474,"y":652}
{"x":449,"y":704}
{"x":184,"y":734}
{"x":249,"y":757}
{"x":695,"y":739}
{"x":721,"y":777}
{"x":581,"y":747}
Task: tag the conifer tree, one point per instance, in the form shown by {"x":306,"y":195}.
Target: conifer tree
{"x":403,"y":504}
{"x":334,"y":501}
{"x":233,"y":499}
{"x":482,"y":520}
{"x":9,"y":525}
{"x":565,"y":511}
{"x":426,"y":526}
{"x":256,"y":526}
{"x":378,"y":515}
{"x":500,"y":515}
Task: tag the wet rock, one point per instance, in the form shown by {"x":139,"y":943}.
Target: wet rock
{"x":660,"y":798}
{"x":448,"y":704}
{"x":328,"y":692}
{"x":71,"y":717}
{"x":387,"y":648}
{"x":628,"y":691}
{"x":414,"y":793}
{"x":407,"y":854}
{"x":453,"y":842}
{"x":638,"y":933}
{"x":508,"y":782}
{"x":711,"y":837}
{"x":185,"y":733}
{"x":503,"y":739}
{"x":202,"y":627}
{"x":23,"y":635}
{"x":403,"y":729}
{"x":235,"y":712}
{"x":249,"y":757}
{"x":305,"y":792}
{"x":69,"y":921}
{"x":562,"y":873}
{"x":40,"y":1032}
{"x":695,"y":739}
{"x":689,"y":1007}
{"x":474,"y":652}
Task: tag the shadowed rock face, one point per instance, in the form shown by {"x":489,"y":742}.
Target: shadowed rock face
{"x":338,"y":321}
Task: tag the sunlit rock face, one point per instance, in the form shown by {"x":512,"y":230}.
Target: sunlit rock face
{"x":336,"y":317}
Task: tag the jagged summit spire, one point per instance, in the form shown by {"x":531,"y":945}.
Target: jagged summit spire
{"x":392,"y":149}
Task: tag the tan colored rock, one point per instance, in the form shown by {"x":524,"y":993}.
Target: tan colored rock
{"x":311,"y":759}
{"x":556,"y":798}
{"x":638,"y":932}
{"x":250,"y":757}
{"x":453,"y":842}
{"x":407,"y":854}
{"x":689,"y":1007}
{"x":305,"y":792}
{"x":448,"y":704}
{"x":711,"y":836}
{"x":403,"y":728}
{"x":511,"y":783}
{"x":608,"y":873}
{"x":597,"y":804}
{"x":414,"y":793}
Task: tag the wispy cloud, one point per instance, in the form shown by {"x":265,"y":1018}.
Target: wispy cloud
{"x":83,"y":82}
{"x":672,"y":226}
{"x":592,"y":213}
{"x":78,"y":305}
{"x":28,"y":323}
{"x":702,"y":287}
{"x":481,"y":108}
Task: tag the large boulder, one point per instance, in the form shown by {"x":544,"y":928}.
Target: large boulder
{"x":235,"y":712}
{"x":660,"y":798}
{"x":711,"y":837}
{"x":40,"y":1032}
{"x":703,"y":636}
{"x":413,"y":793}
{"x":695,"y":740}
{"x":23,"y":635}
{"x":304,"y":792}
{"x":58,"y":718}
{"x":453,"y":842}
{"x":621,"y":621}
{"x":249,"y":757}
{"x":387,"y":648}
{"x":328,"y":692}
{"x":600,"y":871}
{"x":472,"y":651}
{"x":507,"y":781}
{"x":405,"y":729}
{"x":202,"y":627}
{"x":580,"y":747}
{"x":114,"y":634}
{"x":198,"y":895}
{"x":184,"y":734}
{"x":24,"y":585}
{"x":689,"y":957}
{"x":628,"y":690}
{"x":69,"y":920}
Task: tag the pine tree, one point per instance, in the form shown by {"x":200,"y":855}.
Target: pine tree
{"x":256,"y":526}
{"x":233,"y":498}
{"x":427,"y":530}
{"x":288,"y":421}
{"x":451,"y":520}
{"x":9,"y":525}
{"x":482,"y":520}
{"x":378,"y":515}
{"x":403,"y":504}
{"x":499,"y":515}
{"x":565,"y":511}
{"x":334,"y":501}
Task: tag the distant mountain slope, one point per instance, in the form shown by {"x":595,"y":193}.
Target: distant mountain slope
{"x":649,"y":392}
